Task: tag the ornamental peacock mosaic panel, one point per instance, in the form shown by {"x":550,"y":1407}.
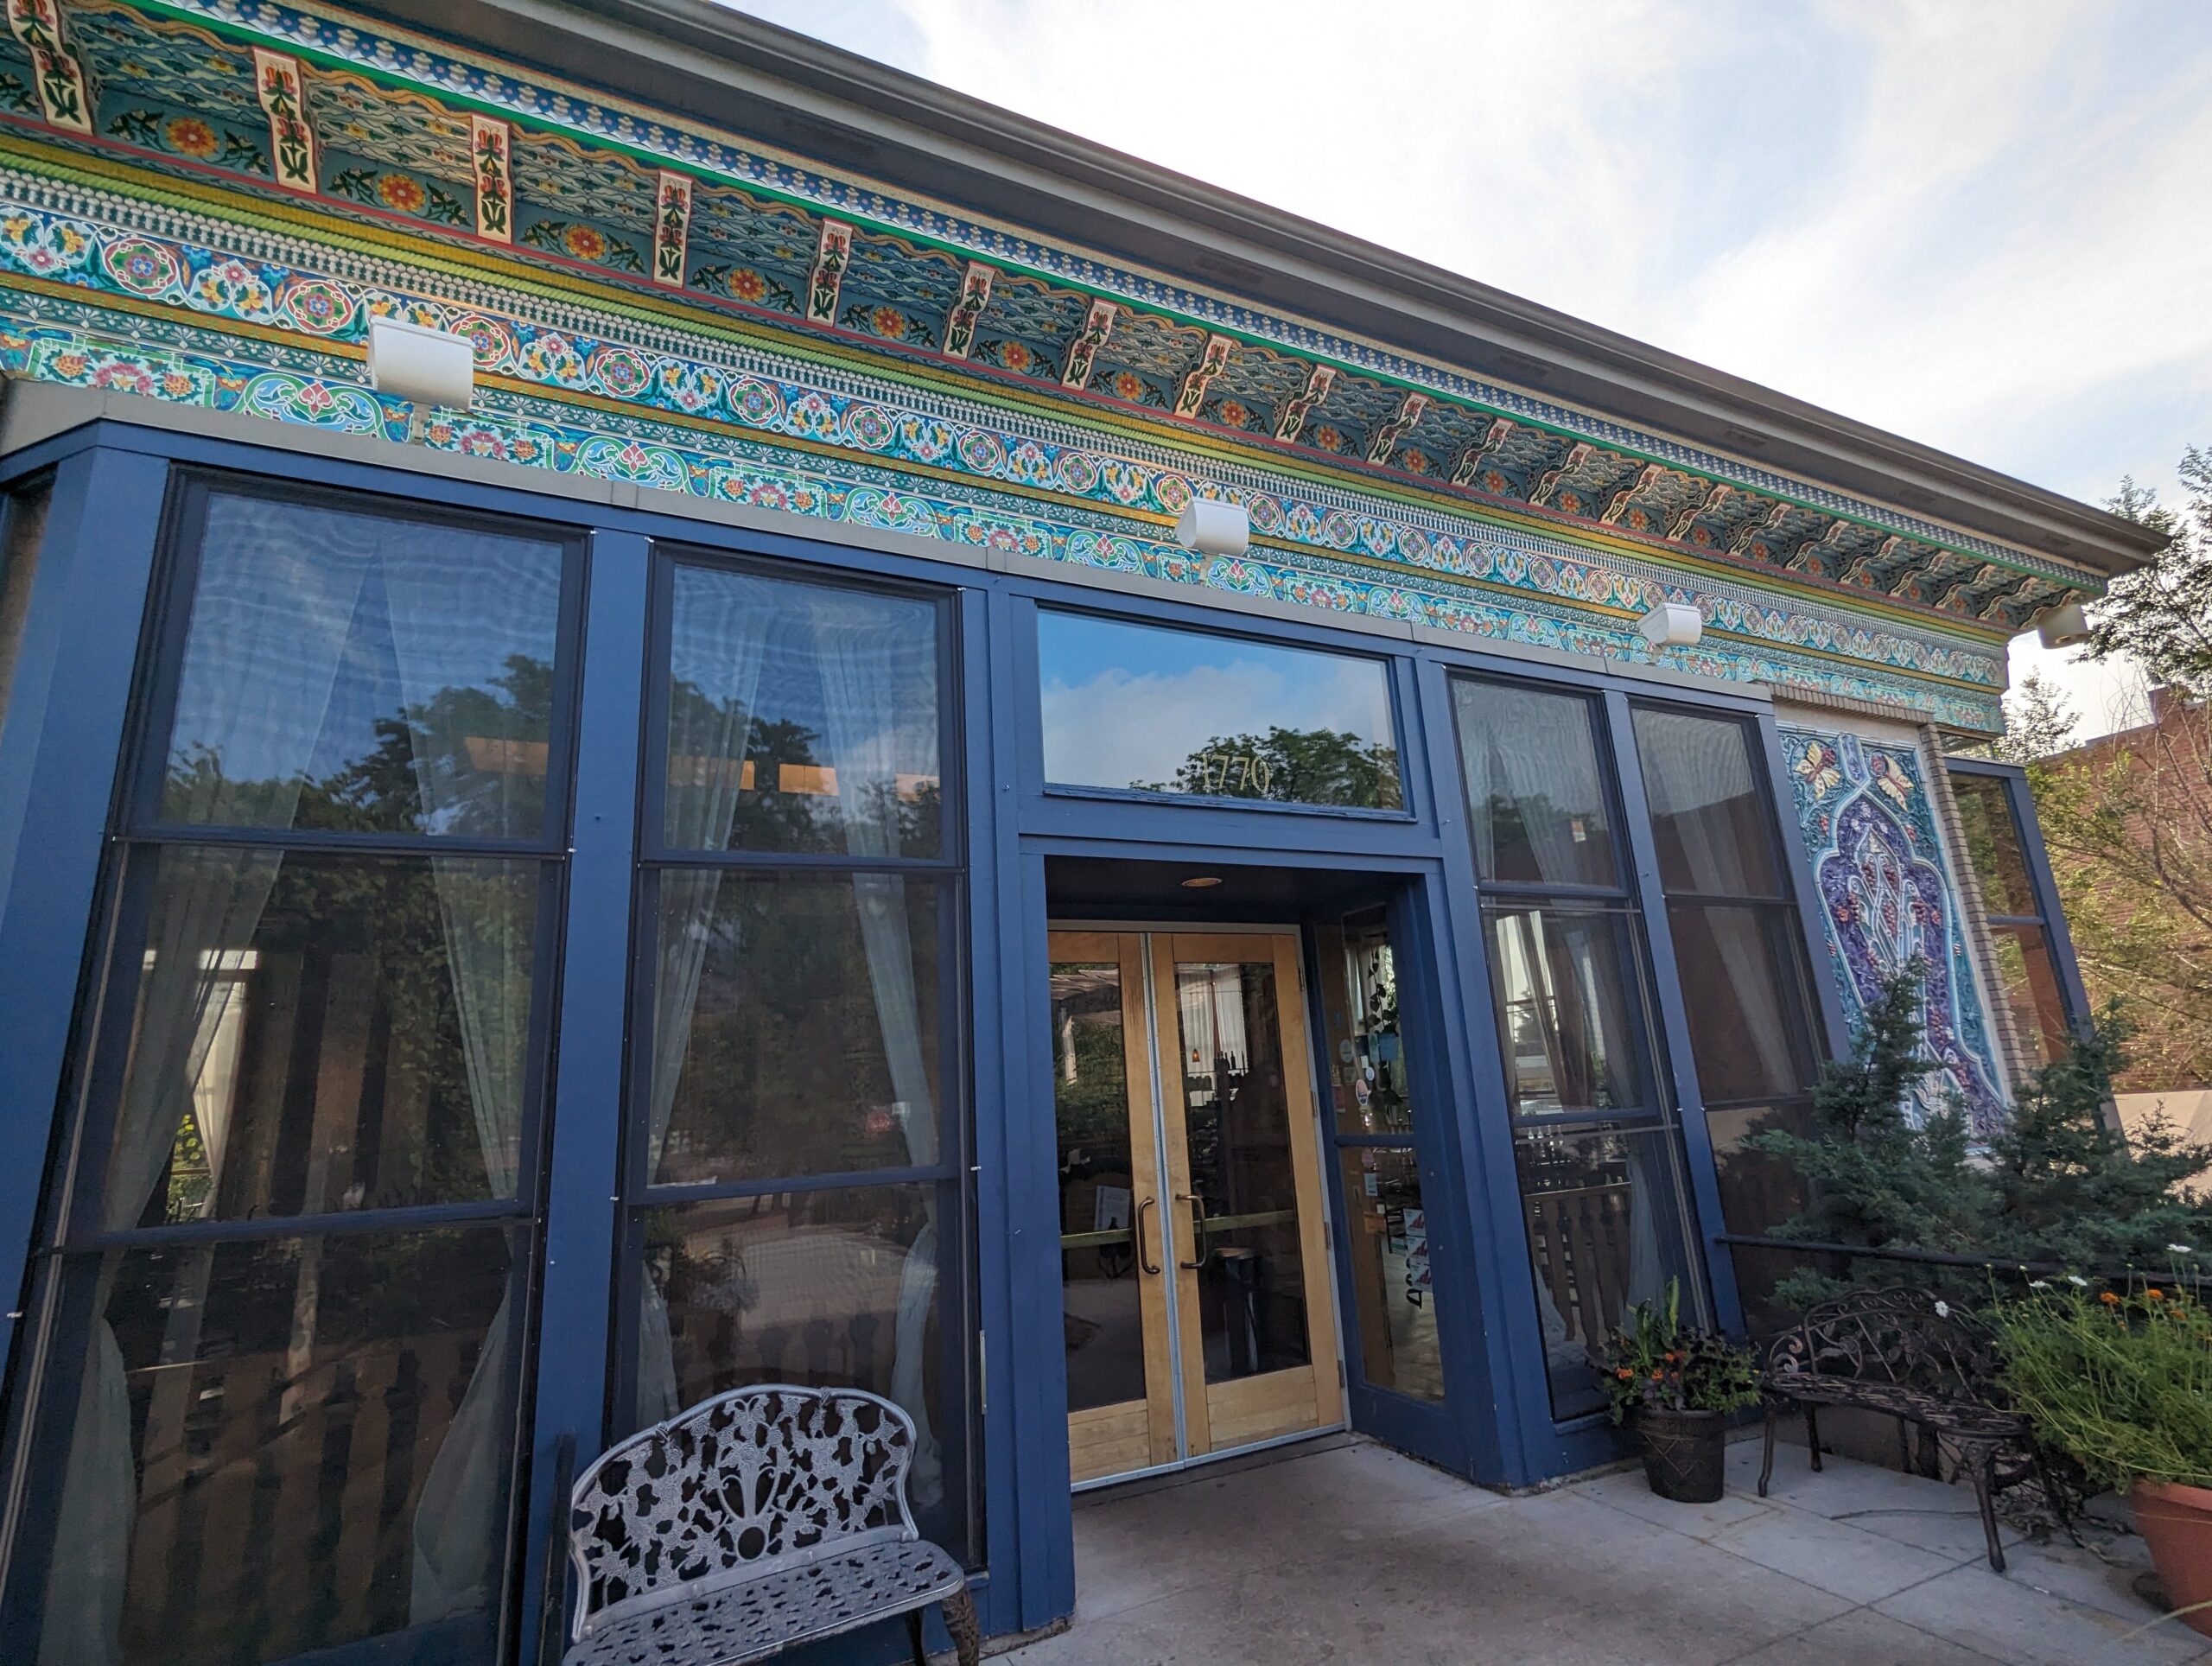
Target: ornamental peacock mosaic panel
{"x":1887,"y":896}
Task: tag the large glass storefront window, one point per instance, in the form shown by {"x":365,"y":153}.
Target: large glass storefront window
{"x":1738,"y":951}
{"x":795,"y":1200}
{"x":1596,"y":1142}
{"x":284,"y":1317}
{"x":1144,"y":708}
{"x":2023,"y":929}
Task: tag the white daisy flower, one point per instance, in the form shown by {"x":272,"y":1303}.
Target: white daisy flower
{"x":2181,"y":1249}
{"x":1942,"y":1310}
{"x":2078,"y":1283}
{"x":2039,"y":1284}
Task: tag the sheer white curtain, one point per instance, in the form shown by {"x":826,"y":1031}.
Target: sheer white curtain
{"x":720,"y":641}
{"x":1694,"y":769}
{"x":487,"y":914}
{"x":860,"y":643}
{"x":243,"y":747}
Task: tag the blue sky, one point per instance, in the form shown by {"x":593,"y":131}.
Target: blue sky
{"x":1983,"y":224}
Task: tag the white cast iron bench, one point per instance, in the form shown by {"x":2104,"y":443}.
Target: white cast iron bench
{"x":756,"y":1520}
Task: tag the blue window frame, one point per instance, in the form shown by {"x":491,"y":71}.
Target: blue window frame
{"x":1133,"y":706}
{"x":2037,"y":975}
{"x":1603,"y":1197}
{"x":291,"y":1275}
{"x":795,"y":1203}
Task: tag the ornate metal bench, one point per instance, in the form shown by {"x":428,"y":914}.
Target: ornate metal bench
{"x":1923,"y":1361}
{"x":754,"y":1522}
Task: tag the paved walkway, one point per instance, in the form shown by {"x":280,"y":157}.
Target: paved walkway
{"x":1354,"y":1553}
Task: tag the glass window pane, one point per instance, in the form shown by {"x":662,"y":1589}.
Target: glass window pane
{"x":288,"y":1446}
{"x":1709,"y":818}
{"x":1994,"y":843}
{"x":1744,"y":997}
{"x":801,"y":717}
{"x":1236,"y":1115}
{"x":844,"y":1288}
{"x":317,"y":1032}
{"x":1099,"y":1251}
{"x":24,"y":513}
{"x":1392,"y":1293}
{"x":1367,"y":1086}
{"x":1605,"y":1213}
{"x":2030,"y":983}
{"x":358,"y":671}
{"x":1572,"y":1023}
{"x":1759,"y":1193}
{"x":795,"y":1026}
{"x":1537,"y":803}
{"x":1158,"y":710}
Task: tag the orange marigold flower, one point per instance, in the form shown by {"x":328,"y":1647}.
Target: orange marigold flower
{"x":1624,"y":1373}
{"x":1658,"y":1376}
{"x":1672,"y":1355}
{"x":2109,"y":1300}
{"x":2155,"y":1294}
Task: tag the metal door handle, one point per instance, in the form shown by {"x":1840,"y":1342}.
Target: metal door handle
{"x":1144,"y":1260}
{"x":1197,"y":1230}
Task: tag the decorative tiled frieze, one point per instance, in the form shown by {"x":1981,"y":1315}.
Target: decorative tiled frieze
{"x":942,"y":434}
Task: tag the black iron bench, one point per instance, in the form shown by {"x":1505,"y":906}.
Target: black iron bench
{"x":756,"y":1520}
{"x":1913,"y":1357}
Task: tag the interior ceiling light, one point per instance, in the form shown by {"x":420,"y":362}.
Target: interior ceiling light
{"x":1201,"y":881}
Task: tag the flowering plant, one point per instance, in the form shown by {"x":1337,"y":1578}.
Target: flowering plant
{"x":2119,"y":1381}
{"x":1654,"y":1361}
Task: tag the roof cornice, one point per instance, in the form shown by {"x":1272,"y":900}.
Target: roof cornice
{"x":712,"y":65}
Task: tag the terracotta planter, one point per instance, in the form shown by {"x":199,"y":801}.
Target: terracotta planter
{"x":2176,"y":1521}
{"x":1685,"y":1453}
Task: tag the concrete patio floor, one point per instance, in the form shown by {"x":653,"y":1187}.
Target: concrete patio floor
{"x":1350,"y":1552}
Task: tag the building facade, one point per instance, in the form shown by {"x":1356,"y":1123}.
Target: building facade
{"x":752,"y":853}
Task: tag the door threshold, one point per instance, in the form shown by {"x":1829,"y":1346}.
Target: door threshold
{"x":1336,"y":1435}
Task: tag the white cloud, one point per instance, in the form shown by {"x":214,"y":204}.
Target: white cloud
{"x":1980,"y":225}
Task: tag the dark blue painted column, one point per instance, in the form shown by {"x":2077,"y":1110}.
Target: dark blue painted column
{"x":586,"y":1147}
{"x":67,"y":715}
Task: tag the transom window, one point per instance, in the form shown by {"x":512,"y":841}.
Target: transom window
{"x":1145,"y":709}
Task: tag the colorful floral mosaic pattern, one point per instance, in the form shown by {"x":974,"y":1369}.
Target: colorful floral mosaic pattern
{"x":760,"y":392}
{"x":1886,"y":893}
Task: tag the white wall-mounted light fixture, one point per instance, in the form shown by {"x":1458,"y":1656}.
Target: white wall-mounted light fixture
{"x":1672,"y":624}
{"x":1214,"y":528}
{"x":2063,"y":625}
{"x":426,"y":366}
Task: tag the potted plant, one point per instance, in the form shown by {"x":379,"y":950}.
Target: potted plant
{"x":1675,"y":1385}
{"x":2122,"y":1382}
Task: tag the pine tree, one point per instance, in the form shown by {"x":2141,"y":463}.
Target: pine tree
{"x":2070,"y":1187}
{"x":1873,"y":1177}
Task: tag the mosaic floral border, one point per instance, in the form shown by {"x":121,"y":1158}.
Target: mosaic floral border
{"x":755,"y":390}
{"x":438,"y":70}
{"x":634,"y":451}
{"x":1887,"y":893}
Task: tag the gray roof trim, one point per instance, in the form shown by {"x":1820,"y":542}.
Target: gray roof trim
{"x":722,"y":68}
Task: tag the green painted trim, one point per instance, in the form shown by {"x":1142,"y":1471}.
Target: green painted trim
{"x":446,"y":96}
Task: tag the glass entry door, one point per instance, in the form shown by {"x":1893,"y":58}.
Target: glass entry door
{"x":1193,"y":1249}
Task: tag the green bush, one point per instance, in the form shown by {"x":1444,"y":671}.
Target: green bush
{"x":2059,"y":1184}
{"x":2121,"y":1384}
